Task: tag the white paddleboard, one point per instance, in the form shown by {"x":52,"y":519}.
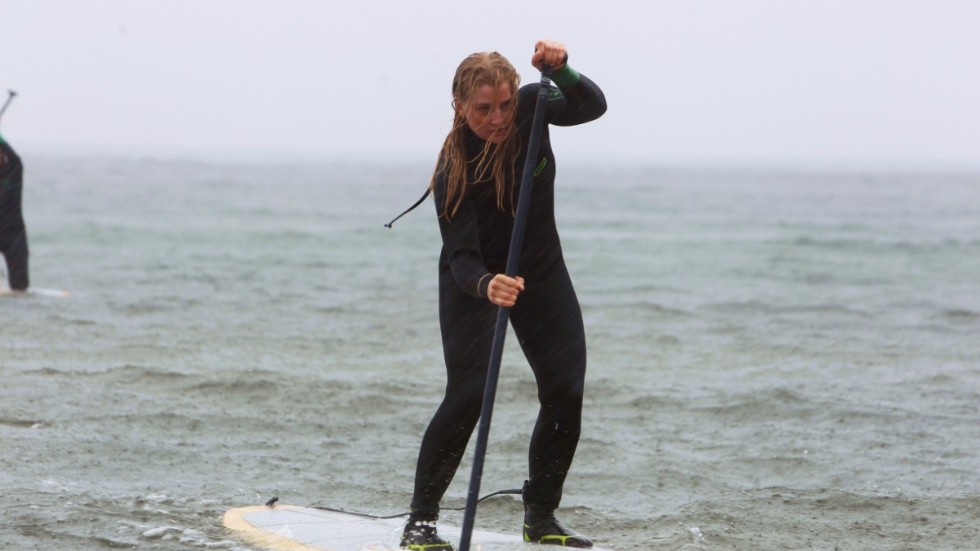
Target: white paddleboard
{"x":293,"y":528}
{"x":36,"y":291}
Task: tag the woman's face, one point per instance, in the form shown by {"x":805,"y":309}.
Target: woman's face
{"x":490,"y":112}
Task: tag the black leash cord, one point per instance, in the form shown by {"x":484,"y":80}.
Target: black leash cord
{"x":379,"y":517}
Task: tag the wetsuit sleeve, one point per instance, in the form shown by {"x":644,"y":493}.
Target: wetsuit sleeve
{"x":580,"y":100}
{"x":461,"y":245}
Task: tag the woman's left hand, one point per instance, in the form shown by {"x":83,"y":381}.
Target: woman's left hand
{"x":549,"y":52}
{"x":503,"y":290}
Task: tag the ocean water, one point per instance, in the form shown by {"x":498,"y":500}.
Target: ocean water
{"x":782,"y":358}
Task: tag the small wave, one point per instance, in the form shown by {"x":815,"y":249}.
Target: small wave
{"x":61,"y":319}
{"x":238,"y":386}
{"x":162,"y":532}
{"x":758,"y":307}
{"x":654,"y":403}
{"x":821,"y":309}
{"x":758,"y":404}
{"x":741,"y":307}
{"x":142,"y":373}
{"x":126,"y":372}
{"x":961,"y":315}
{"x":655,"y":308}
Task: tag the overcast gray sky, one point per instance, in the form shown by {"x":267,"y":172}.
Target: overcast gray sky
{"x":739,"y":80}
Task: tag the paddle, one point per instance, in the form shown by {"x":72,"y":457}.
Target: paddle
{"x":496,"y":352}
{"x":10,"y":98}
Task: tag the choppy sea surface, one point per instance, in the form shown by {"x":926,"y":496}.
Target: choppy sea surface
{"x":782,"y":358}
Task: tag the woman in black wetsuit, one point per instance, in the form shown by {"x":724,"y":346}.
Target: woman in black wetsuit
{"x":13,"y":235}
{"x":475,"y":185}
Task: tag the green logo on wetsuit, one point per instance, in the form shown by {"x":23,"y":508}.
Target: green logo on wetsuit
{"x":540,"y":168}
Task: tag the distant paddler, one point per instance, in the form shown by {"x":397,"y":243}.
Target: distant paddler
{"x":13,"y":234}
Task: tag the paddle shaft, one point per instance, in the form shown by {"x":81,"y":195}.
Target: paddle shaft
{"x":10,"y":98}
{"x":497,"y":350}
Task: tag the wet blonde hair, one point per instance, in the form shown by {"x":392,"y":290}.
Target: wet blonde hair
{"x":496,"y":163}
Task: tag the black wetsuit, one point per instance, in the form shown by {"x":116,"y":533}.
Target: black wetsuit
{"x":546,"y":318}
{"x":13,"y":235}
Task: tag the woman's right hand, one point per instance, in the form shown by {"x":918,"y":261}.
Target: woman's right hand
{"x":503,"y":290}
{"x":549,"y":52}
